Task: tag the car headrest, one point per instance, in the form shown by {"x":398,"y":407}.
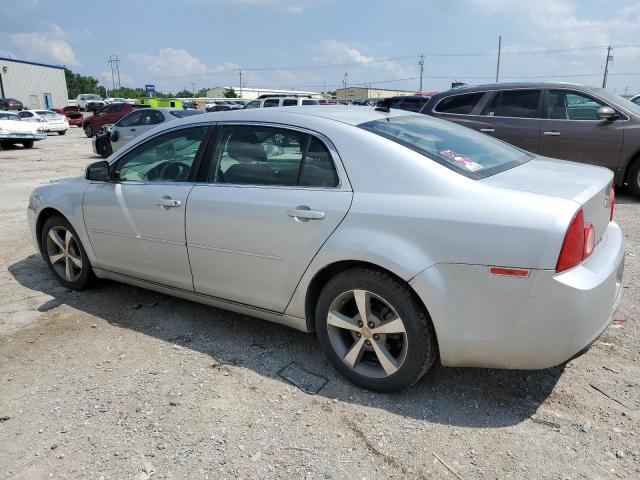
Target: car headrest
{"x":243,"y":146}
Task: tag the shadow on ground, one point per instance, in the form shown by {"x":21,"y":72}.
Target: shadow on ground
{"x":451,"y":396}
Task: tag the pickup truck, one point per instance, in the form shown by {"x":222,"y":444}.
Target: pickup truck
{"x":108,"y":114}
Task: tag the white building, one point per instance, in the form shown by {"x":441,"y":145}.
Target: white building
{"x":36,"y":85}
{"x":251,"y":93}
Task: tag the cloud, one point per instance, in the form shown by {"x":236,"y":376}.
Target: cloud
{"x":170,"y":60}
{"x":51,"y":46}
{"x":289,"y":6}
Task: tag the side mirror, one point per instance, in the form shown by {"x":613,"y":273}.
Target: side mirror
{"x":98,"y":171}
{"x":607,"y":113}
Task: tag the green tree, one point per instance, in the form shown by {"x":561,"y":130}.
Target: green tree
{"x":230,"y":93}
{"x":202,"y":92}
{"x":183,"y":94}
{"x":77,"y":84}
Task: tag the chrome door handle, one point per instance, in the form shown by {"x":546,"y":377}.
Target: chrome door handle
{"x":552,"y":134}
{"x":487,"y":130}
{"x":168,"y":202}
{"x":304,"y":213}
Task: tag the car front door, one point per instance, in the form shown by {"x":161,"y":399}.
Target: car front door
{"x":126,"y":129}
{"x":269,"y":200}
{"x":573,"y":130}
{"x":514,"y":117}
{"x":136,"y":221}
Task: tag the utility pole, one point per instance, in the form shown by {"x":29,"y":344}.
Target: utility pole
{"x":240,"y":72}
{"x":344,"y":82}
{"x":193,"y":89}
{"x":114,"y":62}
{"x":421,"y":63}
{"x":499,"y":52}
{"x":606,"y":67}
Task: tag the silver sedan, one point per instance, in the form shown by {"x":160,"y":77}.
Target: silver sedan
{"x":396,"y":238}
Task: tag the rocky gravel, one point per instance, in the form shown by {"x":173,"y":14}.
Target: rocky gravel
{"x":122,"y":383}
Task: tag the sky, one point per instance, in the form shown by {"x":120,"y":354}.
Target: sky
{"x":311,"y":44}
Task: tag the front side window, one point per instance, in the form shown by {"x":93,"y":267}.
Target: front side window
{"x":461,"y":149}
{"x":252,"y":105}
{"x":256,"y":155}
{"x":514,"y":103}
{"x":25,"y":114}
{"x":130,"y":120}
{"x":570,"y":105}
{"x":461,"y":104}
{"x":272,"y":102}
{"x":166,"y":158}
{"x":151,"y":117}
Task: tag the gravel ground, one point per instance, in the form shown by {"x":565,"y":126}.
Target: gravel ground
{"x":119,"y":382}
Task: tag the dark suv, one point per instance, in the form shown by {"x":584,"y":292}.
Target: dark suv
{"x":559,"y":120}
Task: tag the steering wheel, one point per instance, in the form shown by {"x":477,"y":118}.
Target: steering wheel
{"x":173,"y":171}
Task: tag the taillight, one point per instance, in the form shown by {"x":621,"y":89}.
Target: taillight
{"x":589,"y":240}
{"x":573,"y":246}
{"x":612,"y":200}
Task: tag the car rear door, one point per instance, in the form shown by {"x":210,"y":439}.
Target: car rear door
{"x":514,"y":117}
{"x":268,"y":200}
{"x":573,"y":130}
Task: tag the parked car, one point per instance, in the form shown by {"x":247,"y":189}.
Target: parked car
{"x":219,"y":108}
{"x":14,"y":131}
{"x":49,"y":120}
{"x":89,"y":102}
{"x":635,"y":99}
{"x":73,"y":114}
{"x":281,"y":102}
{"x":110,"y":100}
{"x":114,"y":137}
{"x":108,"y":114}
{"x":559,"y":120}
{"x":411,"y":103}
{"x":462,"y":246}
{"x":10,"y":104}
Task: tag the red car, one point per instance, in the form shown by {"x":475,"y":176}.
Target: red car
{"x":107,"y":115}
{"x":73,"y":114}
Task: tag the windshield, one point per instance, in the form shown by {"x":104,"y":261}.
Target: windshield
{"x":93,"y":97}
{"x":461,"y":149}
{"x":184,"y":113}
{"x":617,"y":99}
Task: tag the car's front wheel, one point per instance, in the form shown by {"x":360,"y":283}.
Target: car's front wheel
{"x":64,"y":254}
{"x":103,"y":147}
{"x":62,"y":132}
{"x":374,"y":330}
{"x":633,"y":178}
{"x":28,"y":144}
{"x":88,"y":131}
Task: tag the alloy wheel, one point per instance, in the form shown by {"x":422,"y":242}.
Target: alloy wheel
{"x":367,"y":333}
{"x":64,"y":254}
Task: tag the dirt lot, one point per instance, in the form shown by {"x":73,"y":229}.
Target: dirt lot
{"x":118,"y":382}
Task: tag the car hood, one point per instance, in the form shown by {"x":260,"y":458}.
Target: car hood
{"x":69,"y":180}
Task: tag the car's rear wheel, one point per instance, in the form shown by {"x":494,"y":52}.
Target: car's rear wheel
{"x":65,"y":255}
{"x":62,"y":132}
{"x":374,"y":330}
{"x":88,"y":131}
{"x":104,"y":148}
{"x":633,"y":178}
{"x":28,"y":144}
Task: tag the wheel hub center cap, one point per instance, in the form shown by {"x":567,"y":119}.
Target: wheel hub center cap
{"x":366,"y":333}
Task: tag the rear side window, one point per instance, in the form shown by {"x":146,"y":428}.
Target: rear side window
{"x":257,"y":155}
{"x":461,"y":149}
{"x":411,"y":104}
{"x":514,"y":103}
{"x":310,"y":102}
{"x":273,"y":102}
{"x":461,"y":104}
{"x":288,"y":102}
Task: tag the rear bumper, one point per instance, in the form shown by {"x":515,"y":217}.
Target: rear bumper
{"x":523,"y":323}
{"x":22,"y":136}
{"x":59,"y":127}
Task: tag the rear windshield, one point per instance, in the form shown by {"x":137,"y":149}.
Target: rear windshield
{"x":461,"y":149}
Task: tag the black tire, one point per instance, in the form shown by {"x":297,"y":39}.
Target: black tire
{"x":633,"y":178}
{"x":78,"y":280}
{"x":62,"y":132}
{"x":88,"y":131}
{"x":104,"y":148}
{"x":421,"y":346}
{"x":27,"y":144}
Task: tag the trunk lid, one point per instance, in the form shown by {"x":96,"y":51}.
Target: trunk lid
{"x":587,"y":185}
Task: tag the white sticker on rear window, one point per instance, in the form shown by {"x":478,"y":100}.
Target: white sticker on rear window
{"x":460,"y":160}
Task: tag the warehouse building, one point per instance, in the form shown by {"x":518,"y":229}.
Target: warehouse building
{"x":358,"y":93}
{"x":251,"y":93}
{"x":36,"y":85}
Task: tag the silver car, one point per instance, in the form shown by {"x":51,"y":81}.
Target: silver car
{"x":396,"y":237}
